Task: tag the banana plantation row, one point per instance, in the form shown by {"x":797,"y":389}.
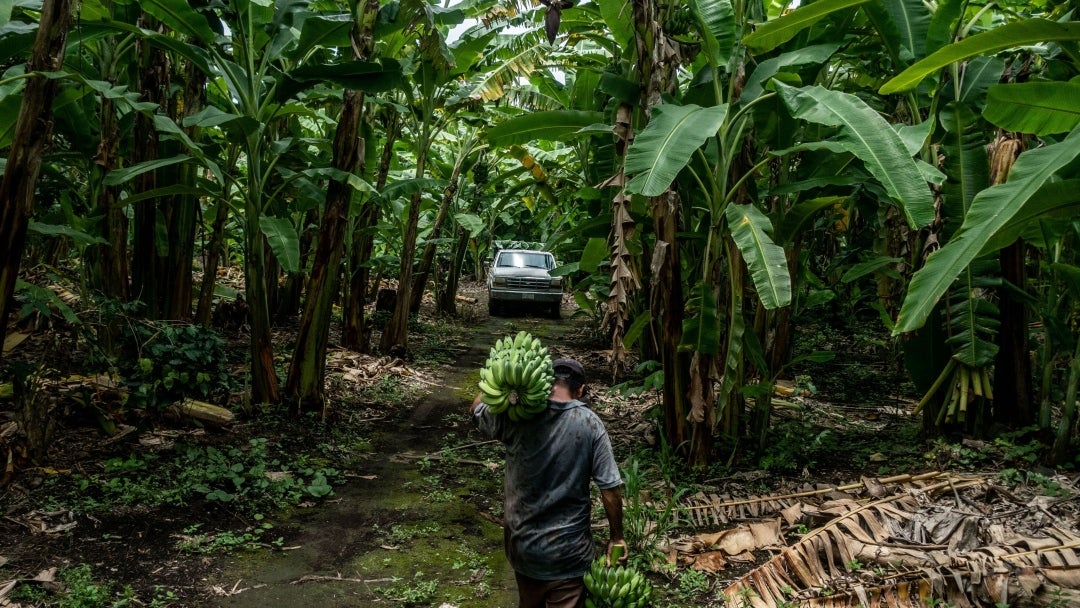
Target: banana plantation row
{"x":708,"y":171}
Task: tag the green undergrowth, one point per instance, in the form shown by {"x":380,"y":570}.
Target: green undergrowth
{"x":80,"y":588}
{"x":251,"y":478}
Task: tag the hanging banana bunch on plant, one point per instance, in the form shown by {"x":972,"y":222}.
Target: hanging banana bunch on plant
{"x":965,"y":384}
{"x":517,"y":377}
{"x":972,"y":324}
{"x":616,"y":587}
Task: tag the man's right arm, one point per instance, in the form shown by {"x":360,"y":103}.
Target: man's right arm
{"x":613,"y":507}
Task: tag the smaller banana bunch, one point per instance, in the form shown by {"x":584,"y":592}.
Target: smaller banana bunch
{"x":616,"y":587}
{"x":517,"y":377}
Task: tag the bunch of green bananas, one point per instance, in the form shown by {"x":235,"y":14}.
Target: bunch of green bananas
{"x":616,"y":587}
{"x":517,"y":377}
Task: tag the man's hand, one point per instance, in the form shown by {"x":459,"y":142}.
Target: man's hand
{"x":623,"y":552}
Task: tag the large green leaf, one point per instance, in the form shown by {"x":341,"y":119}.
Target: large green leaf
{"x":594,"y":254}
{"x":471,"y":223}
{"x":617,"y":15}
{"x":179,"y":15}
{"x":766,"y":260}
{"x":323,"y":31}
{"x":864,"y":133}
{"x":357,"y":75}
{"x":1041,"y":108}
{"x":718,"y":29}
{"x":810,"y":55}
{"x":553,"y":125}
{"x":664,"y":147}
{"x":1059,"y":199}
{"x":772,"y":34}
{"x":990,"y":211}
{"x":978,"y":76}
{"x":943,"y":23}
{"x":284,"y":242}
{"x":912,"y":19}
{"x":406,"y":187}
{"x":119,"y":176}
{"x":966,"y":163}
{"x":1012,"y":35}
{"x":77,"y":236}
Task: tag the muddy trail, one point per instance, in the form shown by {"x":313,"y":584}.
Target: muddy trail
{"x":418,"y":521}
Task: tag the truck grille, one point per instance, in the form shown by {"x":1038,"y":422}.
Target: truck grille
{"x":527,"y":282}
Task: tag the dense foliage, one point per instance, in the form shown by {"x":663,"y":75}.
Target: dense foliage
{"x":709,"y":174}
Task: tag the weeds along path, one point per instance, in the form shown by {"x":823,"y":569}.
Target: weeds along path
{"x":405,"y":529}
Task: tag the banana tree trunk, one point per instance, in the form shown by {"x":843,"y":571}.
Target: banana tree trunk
{"x":1014,"y":399}
{"x":258,"y":271}
{"x":667,"y":307}
{"x":147,"y":265}
{"x":304,"y":384}
{"x":624,"y":280}
{"x":446,"y":301}
{"x":211,"y":261}
{"x":355,"y":335}
{"x":1014,"y":403}
{"x":114,"y":224}
{"x":184,"y":210}
{"x":657,"y":63}
{"x":1059,"y":453}
{"x":395,"y":337}
{"x":426,"y":259}
{"x":33,"y":128}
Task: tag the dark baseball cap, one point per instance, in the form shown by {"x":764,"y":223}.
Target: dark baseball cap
{"x":568,"y":368}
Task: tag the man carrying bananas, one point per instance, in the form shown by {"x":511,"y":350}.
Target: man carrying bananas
{"x":550,"y":461}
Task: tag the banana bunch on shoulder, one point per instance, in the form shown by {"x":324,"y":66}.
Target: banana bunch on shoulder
{"x":616,"y":587}
{"x":516,"y":379}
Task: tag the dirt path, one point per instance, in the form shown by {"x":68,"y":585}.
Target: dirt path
{"x":403,"y":530}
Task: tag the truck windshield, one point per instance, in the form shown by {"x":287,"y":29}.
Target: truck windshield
{"x":524,"y":260}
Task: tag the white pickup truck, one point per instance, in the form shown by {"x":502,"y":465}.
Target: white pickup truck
{"x":521,"y":277}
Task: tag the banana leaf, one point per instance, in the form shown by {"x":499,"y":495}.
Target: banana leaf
{"x":180,"y":16}
{"x":913,"y":19}
{"x":554,"y":125}
{"x":772,"y":34}
{"x":619,"y":20}
{"x":283,"y":240}
{"x":864,"y":133}
{"x":718,"y":32}
{"x":990,"y":212}
{"x":1054,"y":200}
{"x":119,"y":176}
{"x":594,"y":254}
{"x":966,"y":163}
{"x":323,"y":31}
{"x":1011,"y":35}
{"x":943,"y":24}
{"x":766,"y":260}
{"x":810,"y":55}
{"x":1041,"y":108}
{"x":664,"y":147}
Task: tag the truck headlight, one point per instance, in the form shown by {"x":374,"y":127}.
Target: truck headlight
{"x":500,"y":281}
{"x":556,"y":282}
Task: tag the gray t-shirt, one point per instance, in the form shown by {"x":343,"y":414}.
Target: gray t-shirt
{"x":550,"y":461}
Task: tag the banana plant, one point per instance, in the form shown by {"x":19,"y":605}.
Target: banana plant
{"x":253,"y":74}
